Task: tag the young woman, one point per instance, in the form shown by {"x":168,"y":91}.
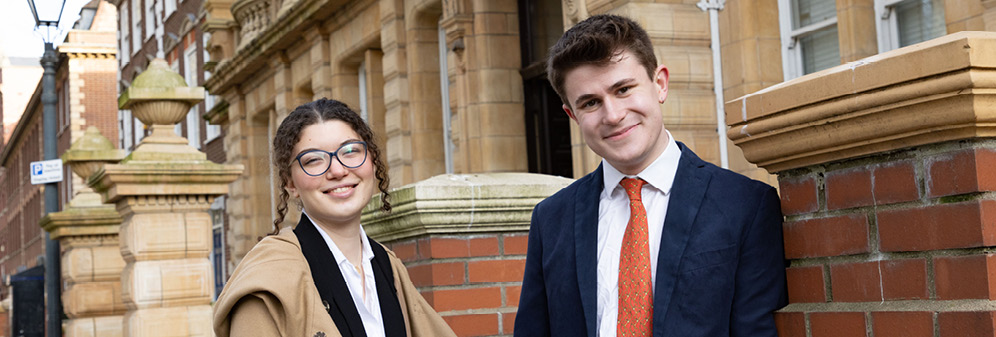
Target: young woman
{"x":325,"y":277}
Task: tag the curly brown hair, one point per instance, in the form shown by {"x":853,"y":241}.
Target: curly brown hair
{"x":289,"y":133}
{"x":598,"y":40}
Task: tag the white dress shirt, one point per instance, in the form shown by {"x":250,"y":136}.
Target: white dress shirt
{"x":613,"y":217}
{"x":364,"y":293}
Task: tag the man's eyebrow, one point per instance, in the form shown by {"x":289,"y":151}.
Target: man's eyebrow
{"x":619,"y":84}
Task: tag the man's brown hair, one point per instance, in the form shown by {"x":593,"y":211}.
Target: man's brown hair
{"x":598,"y":40}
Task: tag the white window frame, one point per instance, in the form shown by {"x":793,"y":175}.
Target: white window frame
{"x":171,"y":7}
{"x":190,"y":76}
{"x":792,"y":66}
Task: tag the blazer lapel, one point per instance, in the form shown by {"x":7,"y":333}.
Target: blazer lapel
{"x":328,"y":279}
{"x":585,"y":243}
{"x":387,"y":294}
{"x":687,"y":193}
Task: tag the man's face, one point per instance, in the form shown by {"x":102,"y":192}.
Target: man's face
{"x":618,"y":110}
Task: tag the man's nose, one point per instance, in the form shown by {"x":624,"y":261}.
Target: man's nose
{"x":614,"y":112}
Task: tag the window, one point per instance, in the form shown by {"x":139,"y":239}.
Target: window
{"x":904,"y":22}
{"x":124,"y":35}
{"x":136,"y":24}
{"x":212,"y":131}
{"x":170,"y":7}
{"x":150,"y":19}
{"x":809,"y":36}
{"x":190,"y":75}
{"x":127,"y":133}
{"x":444,"y":90}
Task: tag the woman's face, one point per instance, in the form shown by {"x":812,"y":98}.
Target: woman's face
{"x":336,"y":197}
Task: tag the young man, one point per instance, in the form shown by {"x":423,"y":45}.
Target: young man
{"x":655,"y":242}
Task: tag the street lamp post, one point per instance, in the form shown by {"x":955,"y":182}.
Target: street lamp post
{"x":47,"y":20}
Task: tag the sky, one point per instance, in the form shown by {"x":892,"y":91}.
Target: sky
{"x":17,"y":27}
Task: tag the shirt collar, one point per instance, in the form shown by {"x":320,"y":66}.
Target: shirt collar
{"x":340,"y":258}
{"x":660,"y":174}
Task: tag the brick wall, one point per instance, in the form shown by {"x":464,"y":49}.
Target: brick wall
{"x":893,"y":245}
{"x":473,"y":281}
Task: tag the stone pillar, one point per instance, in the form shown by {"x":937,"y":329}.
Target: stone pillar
{"x":463,"y":239}
{"x":163,"y":190}
{"x":886,"y":172}
{"x":87,"y":231}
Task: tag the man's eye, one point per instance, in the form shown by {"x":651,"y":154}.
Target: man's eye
{"x":624,"y":90}
{"x":589,"y":104}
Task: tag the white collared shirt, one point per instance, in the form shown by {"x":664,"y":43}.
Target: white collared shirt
{"x":368,"y":306}
{"x":613,"y":216}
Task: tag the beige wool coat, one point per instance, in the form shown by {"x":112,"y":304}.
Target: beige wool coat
{"x":272,"y":293}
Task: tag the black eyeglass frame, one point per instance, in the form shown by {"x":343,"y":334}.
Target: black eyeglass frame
{"x":333,"y":155}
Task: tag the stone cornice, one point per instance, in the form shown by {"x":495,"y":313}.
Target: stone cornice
{"x":82,"y":221}
{"x":926,"y":93}
{"x":253,"y":54}
{"x":455,"y":204}
{"x":116,"y":181}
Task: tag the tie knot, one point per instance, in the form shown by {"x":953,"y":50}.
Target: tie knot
{"x":633,"y":187}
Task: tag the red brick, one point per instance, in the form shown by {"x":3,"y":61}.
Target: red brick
{"x":790,"y":324}
{"x":515,"y":244}
{"x":962,"y":225}
{"x":507,"y":323}
{"x":849,"y":188}
{"x":406,"y":251}
{"x":424,"y":247}
{"x":904,"y":279}
{"x":466,"y":299}
{"x":903,"y":324}
{"x":837,"y":324}
{"x":437,"y":274}
{"x":512,"y":296}
{"x":805,"y":284}
{"x":440,"y":248}
{"x":895,"y":182}
{"x":842,"y":235}
{"x":496,"y":270}
{"x":970,"y":323}
{"x":855,"y":282}
{"x":484,"y":246}
{"x":965,"y":277}
{"x":474,"y":324}
{"x":798,"y":195}
{"x":962,"y":172}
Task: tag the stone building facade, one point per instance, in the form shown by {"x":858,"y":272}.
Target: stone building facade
{"x":87,"y":97}
{"x":458,"y":86}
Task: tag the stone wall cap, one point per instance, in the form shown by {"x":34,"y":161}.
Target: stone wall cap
{"x":941,"y":55}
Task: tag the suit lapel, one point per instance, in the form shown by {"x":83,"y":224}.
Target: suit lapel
{"x":585,"y":243}
{"x":328,"y":279}
{"x":687,"y":193}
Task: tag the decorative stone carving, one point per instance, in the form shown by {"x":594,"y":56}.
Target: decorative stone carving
{"x":253,"y":16}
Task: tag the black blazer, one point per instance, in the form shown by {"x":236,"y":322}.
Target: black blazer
{"x":720,"y":268}
{"x":334,"y":292}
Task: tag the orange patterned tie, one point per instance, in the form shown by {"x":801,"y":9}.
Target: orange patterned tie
{"x":636,"y":294}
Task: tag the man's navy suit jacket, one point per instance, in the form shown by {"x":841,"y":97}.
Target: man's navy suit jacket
{"x":720,"y":269}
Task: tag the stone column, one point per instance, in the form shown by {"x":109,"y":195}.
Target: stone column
{"x":87,"y":231}
{"x":163,"y":190}
{"x":886,"y":168}
{"x":463,"y":239}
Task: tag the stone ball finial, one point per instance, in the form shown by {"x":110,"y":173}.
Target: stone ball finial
{"x":159,"y":96}
{"x":91,"y":151}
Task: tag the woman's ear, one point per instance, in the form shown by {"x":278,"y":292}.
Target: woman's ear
{"x":291,"y":189}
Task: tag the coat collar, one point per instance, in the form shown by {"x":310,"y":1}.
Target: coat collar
{"x":687,"y":193}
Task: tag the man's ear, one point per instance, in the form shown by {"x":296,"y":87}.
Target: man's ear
{"x":661,"y":79}
{"x":569,"y":112}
